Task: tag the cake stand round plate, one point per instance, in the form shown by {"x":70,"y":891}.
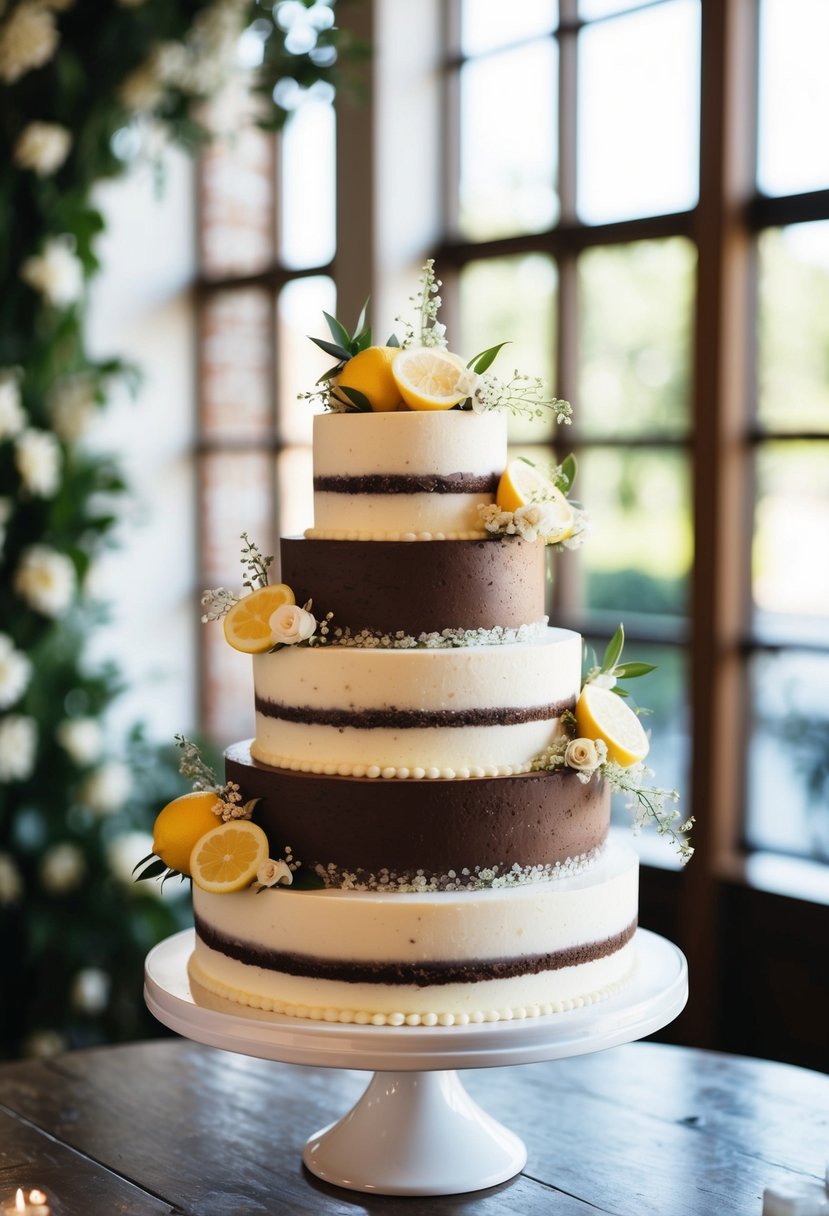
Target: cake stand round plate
{"x":415,"y":1130}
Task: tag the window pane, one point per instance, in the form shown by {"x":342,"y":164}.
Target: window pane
{"x":793,"y":152}
{"x":637,"y":557}
{"x":589,"y":10}
{"x":237,"y":354}
{"x":237,"y":200}
{"x":236,"y":497}
{"x":489,"y":24}
{"x":512,"y":300}
{"x":793,"y":328}
{"x":296,"y":492}
{"x":638,"y":113}
{"x":307,"y":227}
{"x":791,"y":540}
{"x":301,"y":305}
{"x":636,"y":308}
{"x":508,"y":142}
{"x":229,"y":712}
{"x":788,"y":776}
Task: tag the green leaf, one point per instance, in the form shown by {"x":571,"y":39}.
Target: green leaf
{"x":393,"y":340}
{"x":153,"y":870}
{"x":614,"y":649}
{"x":332,"y":371}
{"x":331,"y":348}
{"x":568,"y":471}
{"x":143,"y":861}
{"x":338,"y":331}
{"x":485,"y":358}
{"x":629,"y":671}
{"x":358,"y":399}
{"x":362,"y":341}
{"x":361,"y":326}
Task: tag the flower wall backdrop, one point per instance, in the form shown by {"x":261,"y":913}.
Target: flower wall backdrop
{"x":85,"y":90}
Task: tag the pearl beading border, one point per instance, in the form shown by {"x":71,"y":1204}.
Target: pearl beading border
{"x":393,"y":772}
{"x":364,"y":1017}
{"x":352,"y":534}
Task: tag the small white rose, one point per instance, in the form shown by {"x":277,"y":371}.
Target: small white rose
{"x":18,"y":743}
{"x":28,"y":39}
{"x":582,"y":755}
{"x":15,"y":672}
{"x":12,"y":417}
{"x":62,"y":869}
{"x":291,"y":624}
{"x":72,"y":407}
{"x":106,"y":789}
{"x":56,"y":272}
{"x":274,"y":873}
{"x":38,"y":460}
{"x":90,"y":990}
{"x":46,"y":580}
{"x":81,"y":738}
{"x":42,"y":147}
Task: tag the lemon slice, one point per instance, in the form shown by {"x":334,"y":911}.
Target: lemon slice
{"x":247,"y":624}
{"x":181,"y":825}
{"x":430,"y":379}
{"x":229,"y":857}
{"x":370,"y":373}
{"x":522,"y":484}
{"x":602,"y":714}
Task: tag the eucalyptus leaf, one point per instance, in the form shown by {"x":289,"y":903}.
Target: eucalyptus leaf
{"x":338,"y":331}
{"x":629,"y":671}
{"x":357,"y":399}
{"x":332,"y":349}
{"x":614,"y":649}
{"x":484,"y":359}
{"x":568,"y":471}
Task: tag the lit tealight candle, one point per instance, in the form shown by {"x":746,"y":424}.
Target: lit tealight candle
{"x":35,"y":1203}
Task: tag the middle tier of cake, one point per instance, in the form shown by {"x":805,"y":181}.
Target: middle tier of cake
{"x":431,"y":712}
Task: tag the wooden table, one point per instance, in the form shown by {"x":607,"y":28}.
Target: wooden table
{"x":173,"y":1127}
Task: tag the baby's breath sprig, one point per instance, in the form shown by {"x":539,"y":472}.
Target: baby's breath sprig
{"x":254,"y":564}
{"x":192,"y":766}
{"x":524,"y":396}
{"x":648,"y":803}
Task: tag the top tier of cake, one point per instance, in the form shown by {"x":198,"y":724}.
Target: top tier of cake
{"x":405,"y":476}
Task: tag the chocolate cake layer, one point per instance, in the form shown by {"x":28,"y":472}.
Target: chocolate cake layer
{"x":408,"y":483}
{"x":363,"y":827}
{"x":436,"y":971}
{"x":417,"y":586}
{"x":412,"y":719}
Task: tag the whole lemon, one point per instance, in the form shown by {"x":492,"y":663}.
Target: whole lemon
{"x":369,"y":372}
{"x":181,"y":824}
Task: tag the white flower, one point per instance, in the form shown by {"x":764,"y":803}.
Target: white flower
{"x":90,"y":990}
{"x":15,"y":672}
{"x":81,"y":738}
{"x":12,"y":417}
{"x":582,"y":755}
{"x":274,"y":873}
{"x":45,"y":579}
{"x":28,"y":38}
{"x":62,"y":869}
{"x":11,"y":882}
{"x":218,"y":603}
{"x":72,"y":406}
{"x":291,"y":624}
{"x":18,"y":742}
{"x":529,"y":521}
{"x":38,"y":459}
{"x":142,"y":91}
{"x":604,"y":679}
{"x":124,"y":854}
{"x":106,"y":790}
{"x":56,"y":272}
{"x":42,"y":147}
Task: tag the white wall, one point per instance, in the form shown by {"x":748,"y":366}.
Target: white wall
{"x":142,"y":310}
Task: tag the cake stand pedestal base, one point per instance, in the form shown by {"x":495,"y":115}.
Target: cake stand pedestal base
{"x":415,"y":1133}
{"x":415,"y":1130}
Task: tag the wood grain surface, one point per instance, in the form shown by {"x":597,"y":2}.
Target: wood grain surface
{"x":174,"y":1127}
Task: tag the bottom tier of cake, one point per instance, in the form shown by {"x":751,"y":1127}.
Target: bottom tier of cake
{"x":423,"y":959}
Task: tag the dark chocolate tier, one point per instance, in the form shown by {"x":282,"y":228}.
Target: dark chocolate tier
{"x":359,"y":829}
{"x":417,"y":586}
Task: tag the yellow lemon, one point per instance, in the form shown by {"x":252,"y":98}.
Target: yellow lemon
{"x":431,"y":379}
{"x":370,"y":373}
{"x":181,"y":825}
{"x":247,"y":624}
{"x":229,"y":857}
{"x":603,"y":714}
{"x":522,"y":484}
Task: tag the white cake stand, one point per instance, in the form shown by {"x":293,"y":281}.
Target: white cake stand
{"x":415,"y":1130}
